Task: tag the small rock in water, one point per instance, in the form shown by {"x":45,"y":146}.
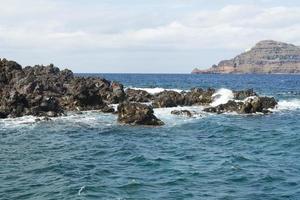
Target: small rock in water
{"x":137,"y":114}
{"x":182,"y":112}
{"x":43,"y":119}
{"x":108,"y":109}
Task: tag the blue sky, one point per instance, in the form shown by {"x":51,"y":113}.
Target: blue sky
{"x":150,"y":36}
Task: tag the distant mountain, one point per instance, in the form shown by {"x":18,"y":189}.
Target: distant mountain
{"x":267,"y":56}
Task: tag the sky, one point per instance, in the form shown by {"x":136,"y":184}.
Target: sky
{"x":140,"y":36}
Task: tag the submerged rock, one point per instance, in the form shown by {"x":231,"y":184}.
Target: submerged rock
{"x":137,"y":114}
{"x":182,"y":112}
{"x":108,"y":109}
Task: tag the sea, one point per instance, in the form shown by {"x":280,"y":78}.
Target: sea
{"x":208,"y":156}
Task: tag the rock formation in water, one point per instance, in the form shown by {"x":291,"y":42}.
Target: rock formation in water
{"x":46,"y":91}
{"x":137,"y":114}
{"x":250,"y":105}
{"x":186,"y":113}
{"x":266,"y":57}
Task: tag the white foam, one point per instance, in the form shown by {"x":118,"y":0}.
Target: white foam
{"x":292,"y":104}
{"x":156,"y":90}
{"x":91,"y":118}
{"x":115,"y":106}
{"x":222,"y":96}
{"x":18,"y":121}
{"x":81,"y":189}
{"x":165,"y":114}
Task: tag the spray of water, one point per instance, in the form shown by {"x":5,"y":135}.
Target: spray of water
{"x":222,"y":96}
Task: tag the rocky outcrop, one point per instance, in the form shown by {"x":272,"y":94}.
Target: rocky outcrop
{"x":267,"y":56}
{"x":137,"y":114}
{"x":250,"y":105}
{"x":48,"y":91}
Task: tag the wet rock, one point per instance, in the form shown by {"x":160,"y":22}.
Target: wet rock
{"x":43,"y":119}
{"x":111,"y":92}
{"x":258,"y":104}
{"x":268,"y":102}
{"x":198,"y":96}
{"x":3,"y":115}
{"x":138,"y":95}
{"x":137,"y":114}
{"x":230,"y":106}
{"x":250,"y":105}
{"x":182,"y":113}
{"x":243,"y":94}
{"x":108,"y":109}
{"x":167,"y":99}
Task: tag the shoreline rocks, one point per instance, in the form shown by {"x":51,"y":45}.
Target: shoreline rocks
{"x":47,"y":91}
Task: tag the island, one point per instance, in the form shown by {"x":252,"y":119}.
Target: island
{"x":266,"y":57}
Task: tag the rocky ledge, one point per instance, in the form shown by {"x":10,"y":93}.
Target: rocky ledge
{"x":47,"y":91}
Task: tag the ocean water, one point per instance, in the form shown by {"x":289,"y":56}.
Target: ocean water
{"x":209,"y":156}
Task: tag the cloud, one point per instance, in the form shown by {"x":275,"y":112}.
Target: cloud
{"x":234,"y":26}
{"x":75,"y":26}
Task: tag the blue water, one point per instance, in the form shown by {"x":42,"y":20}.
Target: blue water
{"x":211,"y":156}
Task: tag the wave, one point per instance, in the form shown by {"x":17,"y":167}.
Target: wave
{"x":222,"y":96}
{"x":172,"y":120}
{"x":82,"y":119}
{"x":292,"y":104}
{"x":156,"y":90}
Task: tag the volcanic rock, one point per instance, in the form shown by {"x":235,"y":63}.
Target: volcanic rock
{"x":48,"y":91}
{"x":168,"y":99}
{"x":198,"y":96}
{"x":250,"y":105}
{"x":182,"y":112}
{"x":243,"y":94}
{"x":137,"y":114}
{"x":138,"y":95}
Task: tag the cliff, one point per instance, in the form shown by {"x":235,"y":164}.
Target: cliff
{"x":267,"y":56}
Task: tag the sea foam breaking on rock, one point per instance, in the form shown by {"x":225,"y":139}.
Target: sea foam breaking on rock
{"x":292,"y":104}
{"x":157,"y":90}
{"x":222,"y":96}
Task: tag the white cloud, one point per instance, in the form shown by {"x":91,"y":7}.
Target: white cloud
{"x":69,"y":26}
{"x":233,"y":26}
